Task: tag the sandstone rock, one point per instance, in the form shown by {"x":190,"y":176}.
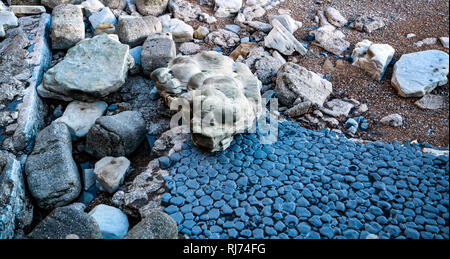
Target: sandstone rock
{"x":282,"y":40}
{"x":65,"y":221}
{"x":22,"y":10}
{"x":226,"y":8}
{"x":8,"y":20}
{"x":135,"y":30}
{"x":104,"y":15}
{"x":101,"y":59}
{"x":158,"y":225}
{"x":151,"y":7}
{"x":416,"y":74}
{"x":54,"y":3}
{"x":367,"y":24}
{"x":189,"y":48}
{"x":393,"y":120}
{"x":67,"y":26}
{"x":184,"y":10}
{"x":80,"y":116}
{"x":337,"y":108}
{"x":157,"y":51}
{"x":112,"y":221}
{"x":50,"y":170}
{"x":223,"y":38}
{"x":444,"y":41}
{"x":110,"y":172}
{"x":335,"y":17}
{"x":180,"y":31}
{"x":117,"y":135}
{"x":295,"y":82}
{"x":373,"y":58}
{"x":331,"y":39}
{"x":115,"y":4}
{"x":431,"y":101}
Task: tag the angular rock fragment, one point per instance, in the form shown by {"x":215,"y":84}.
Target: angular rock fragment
{"x":134,"y":30}
{"x":180,"y":30}
{"x":242,"y":50}
{"x":22,"y":10}
{"x":365,"y":23}
{"x":67,"y":26}
{"x":226,"y":8}
{"x":102,"y":16}
{"x":189,"y":48}
{"x":151,"y":7}
{"x":331,"y":39}
{"x":110,"y":172}
{"x":157,"y":225}
{"x":431,"y":101}
{"x":444,"y":41}
{"x":287,"y":21}
{"x":223,"y":38}
{"x":158,"y":50}
{"x":282,"y":40}
{"x":54,"y":3}
{"x":373,"y":58}
{"x":8,"y":20}
{"x":337,"y":108}
{"x":335,"y":17}
{"x":115,"y":4}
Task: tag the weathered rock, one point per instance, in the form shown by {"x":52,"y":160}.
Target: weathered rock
{"x":180,"y":30}
{"x":331,"y":39}
{"x":242,"y":50}
{"x":259,"y":26}
{"x":16,"y":209}
{"x":444,"y":41}
{"x":266,"y":68}
{"x":282,"y":40}
{"x":67,"y":26}
{"x":238,"y":94}
{"x":367,"y":24}
{"x":91,"y":6}
{"x":295,"y":82}
{"x":117,"y":135}
{"x":416,"y":74}
{"x":287,"y":21}
{"x":337,"y":108}
{"x":157,"y":225}
{"x":190,"y":48}
{"x":223,"y":38}
{"x":373,"y":58}
{"x":393,"y":120}
{"x":22,"y":10}
{"x":110,"y":172}
{"x":204,"y":17}
{"x":431,"y":101}
{"x":112,"y":221}
{"x":184,"y":10}
{"x":298,"y":109}
{"x":171,"y":141}
{"x":80,"y":116}
{"x":200,"y":33}
{"x":151,"y":7}
{"x":105,"y":27}
{"x":8,"y":20}
{"x":115,"y":4}
{"x":335,"y":17}
{"x":157,"y":51}
{"x":101,"y":59}
{"x":249,"y":13}
{"x":50,"y":170}
{"x":135,"y":30}
{"x":65,"y":221}
{"x":102,"y":16}
{"x":226,"y":8}
{"x":54,"y":3}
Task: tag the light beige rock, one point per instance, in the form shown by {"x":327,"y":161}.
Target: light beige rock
{"x":67,"y":26}
{"x":22,"y":10}
{"x":110,"y":172}
{"x":335,"y":17}
{"x":331,"y":39}
{"x":373,"y":58}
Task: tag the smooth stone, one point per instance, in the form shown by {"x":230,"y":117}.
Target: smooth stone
{"x":112,"y":221}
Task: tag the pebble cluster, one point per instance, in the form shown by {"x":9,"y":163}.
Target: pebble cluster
{"x":308,"y":185}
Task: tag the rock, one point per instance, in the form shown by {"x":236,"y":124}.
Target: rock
{"x":157,"y":225}
{"x":157,"y":51}
{"x":101,"y":17}
{"x":286,"y":20}
{"x":259,"y":26}
{"x":435,"y":152}
{"x":23,"y":10}
{"x":80,"y":116}
{"x":88,"y":178}
{"x":337,"y":108}
{"x":444,"y":41}
{"x":298,"y":109}
{"x":3,"y":6}
{"x":2,"y":31}
{"x":239,"y":93}
{"x":51,"y":173}
{"x":410,"y":35}
{"x":204,"y":17}
{"x":223,"y":38}
{"x":113,"y":222}
{"x":335,"y":17}
{"x":151,"y":7}
{"x":135,"y":30}
{"x":184,"y":10}
{"x":91,"y":6}
{"x":242,"y":50}
{"x":332,"y":122}
{"x":200,"y":33}
{"x":393,"y":120}
{"x":226,"y":8}
{"x":249,"y":13}
{"x":367,"y":24}
{"x":189,"y":48}
{"x":54,"y":3}
{"x":65,"y":221}
{"x":105,"y":27}
{"x":180,"y":31}
{"x":416,"y":74}
{"x":8,"y":20}
{"x":282,"y":40}
{"x":431,"y":101}
{"x":117,"y":135}
{"x":331,"y":39}
{"x":373,"y":58}
{"x":110,"y":172}
{"x":171,"y":141}
{"x":295,"y":85}
{"x":101,"y":59}
{"x":266,"y":68}
{"x":115,"y":4}
{"x":16,"y":209}
{"x":67,"y":26}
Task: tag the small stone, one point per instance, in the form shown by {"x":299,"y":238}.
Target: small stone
{"x":181,"y":31}
{"x":393,"y":120}
{"x":23,"y":10}
{"x":112,"y":221}
{"x":335,"y":17}
{"x":367,"y":24}
{"x":105,"y":15}
{"x":431,"y":101}
{"x":151,"y":7}
{"x":189,"y":48}
{"x":201,"y":32}
{"x":444,"y":41}
{"x":331,"y":39}
{"x":157,"y":225}
{"x":110,"y":172}
{"x":67,"y":26}
{"x":225,"y":8}
{"x":282,"y":40}
{"x":223,"y":38}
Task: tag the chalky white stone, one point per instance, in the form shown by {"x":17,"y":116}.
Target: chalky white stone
{"x":373,"y":58}
{"x":110,"y":172}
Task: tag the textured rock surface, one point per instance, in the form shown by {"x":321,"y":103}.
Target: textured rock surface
{"x":157,"y":51}
{"x":115,"y":4}
{"x":331,"y":39}
{"x":180,"y":30}
{"x":64,"y":221}
{"x":431,"y":101}
{"x":223,"y":38}
{"x":367,"y":24}
{"x":22,"y":10}
{"x":53,"y":3}
{"x":335,"y":17}
{"x":226,"y":8}
{"x":135,"y":30}
{"x":117,"y":135}
{"x":151,"y":7}
{"x":282,"y":40}
{"x":101,"y":59}
{"x":51,"y":173}
{"x":416,"y":74}
{"x":67,"y":26}
{"x":8,"y":20}
{"x":113,"y":222}
{"x":393,"y":120}
{"x":157,"y":225}
{"x":110,"y":172}
{"x":102,"y":18}
{"x":373,"y":58}
{"x":184,"y":10}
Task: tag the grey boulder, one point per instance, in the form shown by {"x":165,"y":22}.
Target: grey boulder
{"x":134,"y":30}
{"x":151,"y":7}
{"x":158,"y":50}
{"x":67,"y":26}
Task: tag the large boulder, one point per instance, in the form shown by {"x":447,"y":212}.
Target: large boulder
{"x":158,"y":50}
{"x":67,"y":26}
{"x":151,"y":7}
{"x":295,"y":85}
{"x":416,"y":74}
{"x":134,"y":30}
{"x":373,"y":58}
{"x":66,"y":222}
{"x":331,"y":39}
{"x":92,"y":69}
{"x":157,"y":225}
{"x":218,"y":89}
{"x":50,"y":170}
{"x":112,"y":221}
{"x":117,"y":135}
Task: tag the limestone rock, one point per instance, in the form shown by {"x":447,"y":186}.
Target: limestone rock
{"x":8,"y":20}
{"x":337,"y":108}
{"x":180,"y":30}
{"x":110,"y":172}
{"x":92,"y":69}
{"x":135,"y":30}
{"x":282,"y":40}
{"x":50,"y":170}
{"x":22,"y":10}
{"x":367,"y":24}
{"x":117,"y":135}
{"x":295,"y":85}
{"x":373,"y":58}
{"x":151,"y":7}
{"x":226,"y":8}
{"x":67,"y":26}
{"x":287,"y":21}
{"x":416,"y":74}
{"x":444,"y":41}
{"x":335,"y":17}
{"x":157,"y":225}
{"x":189,"y":48}
{"x":331,"y":39}
{"x":54,"y":3}
{"x":431,"y":101}
{"x":393,"y":120}
{"x":223,"y":38}
{"x":112,"y":221}
{"x":115,"y":4}
{"x":80,"y":116}
{"x":184,"y":10}
{"x":104,"y":15}
{"x":157,"y":51}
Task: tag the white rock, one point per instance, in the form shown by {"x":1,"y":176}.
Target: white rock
{"x":331,"y":39}
{"x":2,"y":31}
{"x":21,"y":10}
{"x":189,"y":48}
{"x":444,"y":41}
{"x":3,"y":6}
{"x":226,"y":8}
{"x":103,"y":16}
{"x":431,"y":101}
{"x":337,"y":108}
{"x":435,"y":152}
{"x":418,"y":73}
{"x":282,"y":40}
{"x":335,"y":17}
{"x":180,"y":30}
{"x":393,"y":120}
{"x":286,"y":20}
{"x":8,"y":19}
{"x":91,"y":6}
{"x":373,"y":58}
{"x":112,"y":221}
{"x":223,"y":38}
{"x":110,"y":172}
{"x":80,"y":116}
{"x":410,"y":35}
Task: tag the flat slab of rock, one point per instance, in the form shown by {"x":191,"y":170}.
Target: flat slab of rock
{"x":50,"y":170}
{"x":282,"y":40}
{"x":373,"y":58}
{"x":110,"y":172}
{"x":157,"y":225}
{"x":80,"y":116}
{"x":21,"y":10}
{"x":134,"y":30}
{"x":419,"y":73}
{"x":112,"y":221}
{"x":226,"y":8}
{"x":431,"y":101}
{"x":337,"y":108}
{"x":67,"y":26}
{"x":92,"y":69}
{"x":331,"y":39}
